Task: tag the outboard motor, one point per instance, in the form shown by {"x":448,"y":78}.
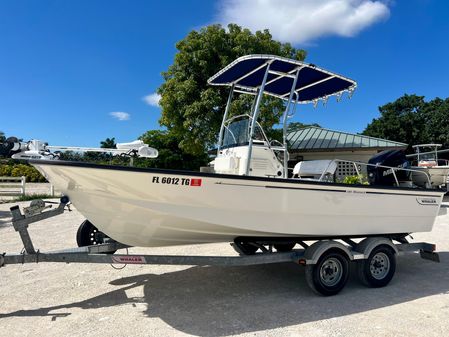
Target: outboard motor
{"x":9,"y":147}
{"x":384,"y":176}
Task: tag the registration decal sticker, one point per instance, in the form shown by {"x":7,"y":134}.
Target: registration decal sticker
{"x":195,"y":182}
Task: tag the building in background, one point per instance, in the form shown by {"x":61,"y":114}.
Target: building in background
{"x":312,"y":143}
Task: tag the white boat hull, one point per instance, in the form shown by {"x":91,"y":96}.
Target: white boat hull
{"x":145,"y":207}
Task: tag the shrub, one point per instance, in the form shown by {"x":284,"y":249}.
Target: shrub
{"x":19,"y":170}
{"x":30,"y":197}
{"x":353,"y":180}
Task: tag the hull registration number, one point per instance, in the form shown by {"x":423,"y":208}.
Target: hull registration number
{"x":177,"y":181}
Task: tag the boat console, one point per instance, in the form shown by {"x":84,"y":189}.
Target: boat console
{"x":233,"y":155}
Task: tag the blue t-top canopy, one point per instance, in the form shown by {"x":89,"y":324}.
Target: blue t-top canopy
{"x":247,"y":72}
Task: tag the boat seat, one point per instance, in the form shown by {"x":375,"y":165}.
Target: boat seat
{"x":315,"y":169}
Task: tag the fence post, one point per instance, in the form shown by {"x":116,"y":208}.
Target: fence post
{"x":23,"y":182}
{"x":52,"y":190}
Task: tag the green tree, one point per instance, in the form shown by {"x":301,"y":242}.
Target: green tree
{"x":278,"y":133}
{"x":71,"y":156}
{"x":402,"y":120}
{"x":108,"y":143}
{"x":298,"y":125}
{"x":3,"y":150}
{"x":436,"y":114}
{"x":191,"y":109}
{"x":171,"y":156}
{"x":412,"y":120}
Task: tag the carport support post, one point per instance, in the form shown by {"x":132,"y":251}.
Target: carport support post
{"x":254,"y":118}
{"x":22,"y":184}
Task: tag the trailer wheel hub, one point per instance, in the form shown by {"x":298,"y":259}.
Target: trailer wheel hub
{"x":331,"y":272}
{"x":380,"y":265}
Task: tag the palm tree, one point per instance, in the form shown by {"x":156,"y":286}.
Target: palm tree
{"x":108,"y":143}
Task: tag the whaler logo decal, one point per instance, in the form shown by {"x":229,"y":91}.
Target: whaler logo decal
{"x":195,"y":182}
{"x":426,"y":201}
{"x":129,"y":259}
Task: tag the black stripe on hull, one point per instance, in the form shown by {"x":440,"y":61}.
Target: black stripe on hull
{"x":294,"y":182}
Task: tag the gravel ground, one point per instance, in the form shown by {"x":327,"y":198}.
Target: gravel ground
{"x":271,"y":300}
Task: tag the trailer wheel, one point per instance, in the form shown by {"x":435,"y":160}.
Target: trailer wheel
{"x":88,"y":235}
{"x":284,"y":247}
{"x":330,"y":274}
{"x":379,"y":268}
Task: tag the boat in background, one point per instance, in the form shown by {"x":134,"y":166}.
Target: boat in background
{"x":427,"y":161}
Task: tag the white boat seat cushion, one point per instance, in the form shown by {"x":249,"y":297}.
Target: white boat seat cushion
{"x":315,"y":168}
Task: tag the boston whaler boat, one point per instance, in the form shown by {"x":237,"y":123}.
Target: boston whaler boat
{"x":427,"y":161}
{"x":250,"y":194}
{"x":247,"y":197}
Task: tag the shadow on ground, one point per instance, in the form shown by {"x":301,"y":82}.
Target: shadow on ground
{"x":5,"y":218}
{"x":217,"y":301}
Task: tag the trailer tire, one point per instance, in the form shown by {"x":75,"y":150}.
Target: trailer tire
{"x":88,"y":235}
{"x":379,"y":268}
{"x":330,"y":274}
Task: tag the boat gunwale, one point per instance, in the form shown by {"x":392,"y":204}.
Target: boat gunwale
{"x":232,"y":176}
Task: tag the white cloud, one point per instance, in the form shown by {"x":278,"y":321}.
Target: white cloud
{"x":152,"y":99}
{"x":121,"y":116}
{"x":301,"y":21}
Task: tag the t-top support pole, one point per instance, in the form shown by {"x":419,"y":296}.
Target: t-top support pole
{"x":225,"y":117}
{"x":254,"y":118}
{"x":284,"y":122}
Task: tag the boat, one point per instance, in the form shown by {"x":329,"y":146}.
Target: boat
{"x":427,"y":161}
{"x":39,"y":150}
{"x":247,"y":194}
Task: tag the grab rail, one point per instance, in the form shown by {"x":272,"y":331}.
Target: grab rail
{"x":393,"y":170}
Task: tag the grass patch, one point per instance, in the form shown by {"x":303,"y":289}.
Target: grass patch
{"x":34,"y":197}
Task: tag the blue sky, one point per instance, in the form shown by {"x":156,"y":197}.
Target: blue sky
{"x":65,"y":66}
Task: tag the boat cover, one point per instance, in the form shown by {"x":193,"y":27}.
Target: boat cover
{"x":247,"y":73}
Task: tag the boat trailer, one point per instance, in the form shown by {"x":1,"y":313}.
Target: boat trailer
{"x":327,"y":261}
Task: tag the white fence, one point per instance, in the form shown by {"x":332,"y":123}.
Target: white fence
{"x":12,"y":186}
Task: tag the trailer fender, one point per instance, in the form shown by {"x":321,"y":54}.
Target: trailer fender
{"x":314,"y":252}
{"x":367,"y":245}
